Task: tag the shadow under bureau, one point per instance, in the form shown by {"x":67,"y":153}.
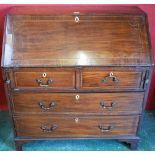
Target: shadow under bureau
{"x":77,"y":75}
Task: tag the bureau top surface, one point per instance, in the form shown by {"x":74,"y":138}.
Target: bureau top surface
{"x":114,"y":37}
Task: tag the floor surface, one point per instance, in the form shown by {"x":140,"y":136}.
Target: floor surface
{"x":147,"y":141}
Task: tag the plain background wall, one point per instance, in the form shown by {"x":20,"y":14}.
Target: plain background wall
{"x":148,"y":8}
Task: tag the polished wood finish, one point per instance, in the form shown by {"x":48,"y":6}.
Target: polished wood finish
{"x":126,"y":79}
{"x":59,"y":79}
{"x":76,"y":126}
{"x":70,"y":43}
{"x":77,"y":75}
{"x":124,"y":103}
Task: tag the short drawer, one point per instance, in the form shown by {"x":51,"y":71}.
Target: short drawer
{"x":108,"y":79}
{"x":75,"y":126}
{"x":101,"y":103}
{"x":45,"y":79}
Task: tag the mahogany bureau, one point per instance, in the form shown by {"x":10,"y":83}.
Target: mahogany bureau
{"x":77,"y":74}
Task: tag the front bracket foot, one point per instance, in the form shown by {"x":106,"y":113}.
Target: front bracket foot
{"x":133,"y":143}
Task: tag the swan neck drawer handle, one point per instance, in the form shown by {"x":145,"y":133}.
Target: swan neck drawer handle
{"x":42,"y":84}
{"x":51,"y":105}
{"x":110,"y":76}
{"x":105,"y":129}
{"x":102,"y":104}
{"x":44,"y":128}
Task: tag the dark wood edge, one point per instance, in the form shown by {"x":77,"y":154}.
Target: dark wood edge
{"x":99,"y":114}
{"x":8,"y":97}
{"x":133,"y":143}
{"x":145,"y":101}
{"x":30,"y":90}
{"x":69,"y":66}
{"x":76,"y":138}
{"x":130,"y":67}
{"x":87,"y":115}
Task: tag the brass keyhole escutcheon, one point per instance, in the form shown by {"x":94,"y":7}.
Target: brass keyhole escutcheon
{"x":77,"y":97}
{"x":77,"y":19}
{"x":44,"y":74}
{"x":111,"y":74}
{"x":76,"y":120}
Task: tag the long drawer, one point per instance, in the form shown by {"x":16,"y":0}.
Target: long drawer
{"x":100,"y":103}
{"x":75,"y":126}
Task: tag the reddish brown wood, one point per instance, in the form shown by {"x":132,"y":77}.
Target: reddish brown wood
{"x":124,"y":103}
{"x":77,"y":51}
{"x":19,"y":144}
{"x":133,"y":143}
{"x":60,"y":79}
{"x":126,"y":79}
{"x":76,"y":126}
{"x":84,"y":78}
{"x":95,"y":40}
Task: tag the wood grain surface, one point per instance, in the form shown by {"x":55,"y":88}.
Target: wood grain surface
{"x":95,"y":40}
{"x":114,"y":103}
{"x":30,"y":126}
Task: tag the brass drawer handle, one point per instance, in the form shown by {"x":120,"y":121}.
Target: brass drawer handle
{"x":105,"y":129}
{"x":46,"y":129}
{"x":51,"y":105}
{"x":113,"y":104}
{"x":41,"y":83}
{"x":110,"y":76}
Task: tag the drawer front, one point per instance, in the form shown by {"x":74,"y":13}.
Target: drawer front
{"x":70,"y":126}
{"x":111,"y":79}
{"x":48,"y":79}
{"x":102,"y":103}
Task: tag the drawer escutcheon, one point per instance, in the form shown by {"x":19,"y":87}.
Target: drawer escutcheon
{"x":76,"y":120}
{"x":77,"y":97}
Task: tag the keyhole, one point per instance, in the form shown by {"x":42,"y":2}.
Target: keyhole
{"x":111,"y":74}
{"x":44,"y":74}
{"x":77,"y":97}
{"x":77,"y":19}
{"x":76,"y":120}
